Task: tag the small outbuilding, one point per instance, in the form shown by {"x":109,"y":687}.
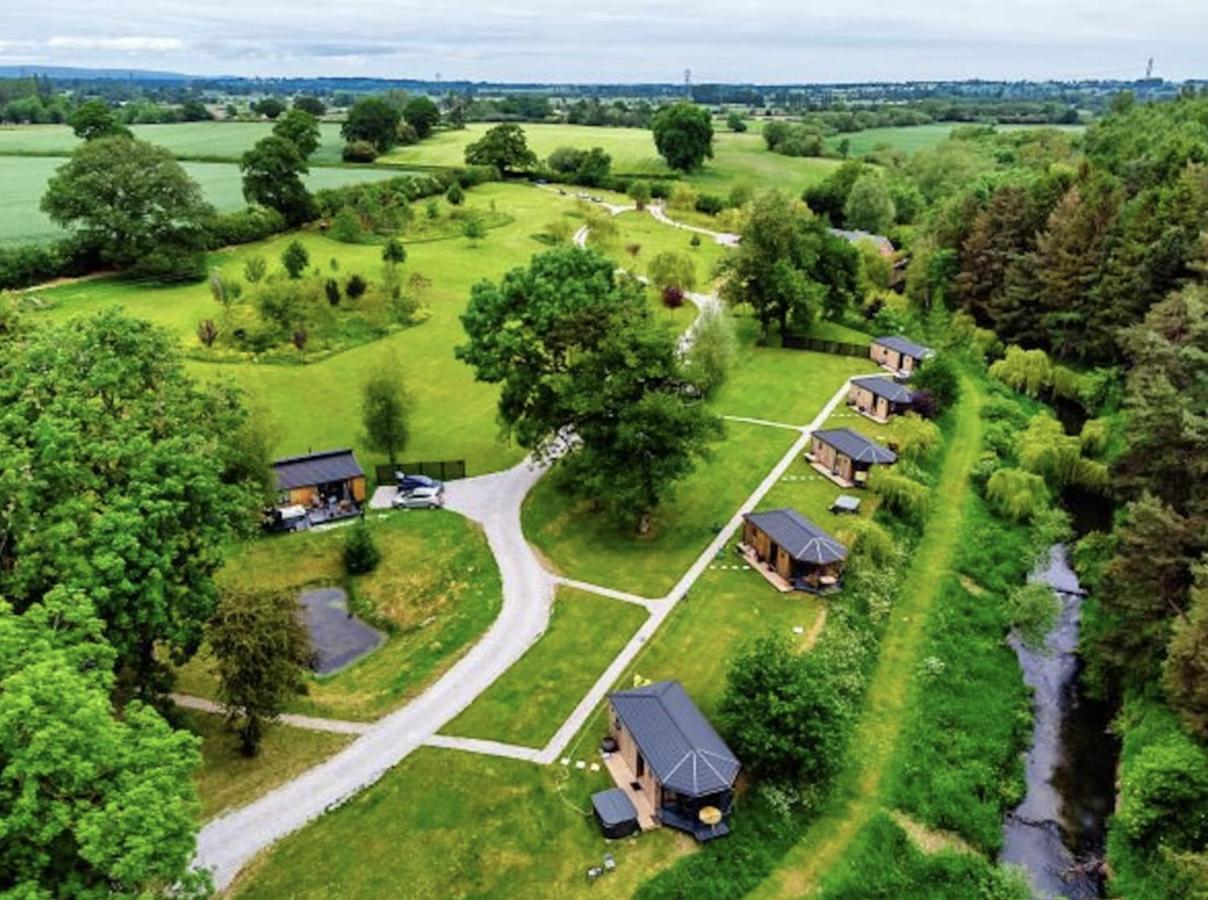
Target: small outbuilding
{"x":898,"y":354}
{"x":790,"y":546}
{"x":615,"y":813}
{"x":672,"y":760}
{"x":855,"y":236}
{"x":879,"y":397}
{"x":846,"y":456}
{"x":329,"y":485}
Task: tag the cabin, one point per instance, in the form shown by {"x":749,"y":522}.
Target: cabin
{"x":669,"y":761}
{"x":879,"y":397}
{"x":898,"y":354}
{"x":328,"y":485}
{"x":854,"y":236}
{"x":845,"y":456}
{"x":789,"y":549}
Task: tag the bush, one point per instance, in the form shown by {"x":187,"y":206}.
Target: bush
{"x":1033,"y":609}
{"x":660,"y":190}
{"x":901,"y":495}
{"x":356,"y":286}
{"x":713,"y":351}
{"x":1017,"y":494}
{"x":682,"y":197}
{"x":673,"y":296}
{"x":710,"y":204}
{"x":243,"y":227}
{"x":346,"y":227}
{"x":29,"y":264}
{"x":295,"y":259}
{"x":940,"y":378}
{"x":455,"y":195}
{"x":915,"y":437}
{"x":672,"y":268}
{"x":359,"y":152}
{"x":361,"y":554}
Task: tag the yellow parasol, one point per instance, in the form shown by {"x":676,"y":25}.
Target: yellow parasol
{"x":710,"y":815}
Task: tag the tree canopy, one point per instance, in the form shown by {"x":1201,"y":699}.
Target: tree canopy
{"x":504,"y":147}
{"x":301,"y":129}
{"x":96,"y":119}
{"x":272,"y":176}
{"x":683,"y":134}
{"x":373,"y":120}
{"x":422,"y":115}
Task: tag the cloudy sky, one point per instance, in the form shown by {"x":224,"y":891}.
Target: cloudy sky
{"x":618,"y":40}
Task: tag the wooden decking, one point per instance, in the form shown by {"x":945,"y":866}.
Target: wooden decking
{"x":622,"y":776}
{"x":823,"y":470}
{"x":868,"y":415}
{"x":774,"y":578}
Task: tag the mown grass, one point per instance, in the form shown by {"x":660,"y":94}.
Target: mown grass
{"x":436,"y":590}
{"x":227,"y":779}
{"x":534,"y":697}
{"x":918,"y":137}
{"x":583,"y":543}
{"x":443,"y":823}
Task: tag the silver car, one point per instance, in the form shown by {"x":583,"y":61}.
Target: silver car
{"x":422,"y":498}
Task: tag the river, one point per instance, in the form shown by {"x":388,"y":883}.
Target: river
{"x":1056,"y":834}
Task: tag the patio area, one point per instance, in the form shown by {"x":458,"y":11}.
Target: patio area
{"x":624,"y":780}
{"x":833,"y":476}
{"x":773,"y":577}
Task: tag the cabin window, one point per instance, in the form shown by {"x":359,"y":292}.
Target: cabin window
{"x":641,"y":765}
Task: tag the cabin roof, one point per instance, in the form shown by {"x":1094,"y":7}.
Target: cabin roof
{"x":904,"y":345}
{"x":880,"y":386}
{"x":798,"y":536}
{"x":676,"y":740}
{"x":316,"y":468}
{"x":857,"y":446}
{"x":854,"y":236}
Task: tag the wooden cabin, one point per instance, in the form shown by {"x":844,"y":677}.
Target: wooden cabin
{"x":332,"y":479}
{"x":673,"y":759}
{"x":879,"y":397}
{"x":796,"y":549}
{"x":845,"y":456}
{"x":898,"y":354}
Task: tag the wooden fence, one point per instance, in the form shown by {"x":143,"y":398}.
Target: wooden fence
{"x":441,"y":469}
{"x":835,"y":348}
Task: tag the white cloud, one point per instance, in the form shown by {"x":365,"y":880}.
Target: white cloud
{"x":129,"y":44}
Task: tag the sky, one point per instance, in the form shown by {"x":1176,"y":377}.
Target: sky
{"x":761,"y":41}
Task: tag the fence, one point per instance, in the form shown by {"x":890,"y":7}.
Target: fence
{"x":835,"y":348}
{"x":441,"y":469}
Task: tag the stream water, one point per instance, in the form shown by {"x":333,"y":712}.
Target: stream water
{"x":1056,"y":834}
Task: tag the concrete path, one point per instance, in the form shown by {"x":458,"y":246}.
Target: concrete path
{"x":226,"y":844}
{"x":765,"y":422}
{"x":310,"y":723}
{"x":487,"y":748}
{"x":725,"y":238}
{"x":623,"y":596}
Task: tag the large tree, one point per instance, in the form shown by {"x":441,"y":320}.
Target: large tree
{"x":503,"y":147}
{"x":374,"y":120}
{"x":576,"y":351}
{"x":92,"y":804}
{"x":134,"y":204}
{"x":301,"y":129}
{"x":683,"y":134}
{"x":869,"y":207}
{"x":272,"y":176}
{"x":96,"y":119}
{"x":422,"y":115}
{"x":386,"y":406}
{"x":122,"y":480}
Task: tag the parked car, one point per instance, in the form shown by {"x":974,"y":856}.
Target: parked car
{"x":422,"y":498}
{"x":407,"y":483}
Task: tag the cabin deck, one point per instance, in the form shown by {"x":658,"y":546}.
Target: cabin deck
{"x":623,"y":777}
{"x":773,"y":577}
{"x":823,"y":470}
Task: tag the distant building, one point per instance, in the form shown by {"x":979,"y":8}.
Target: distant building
{"x":845,"y":456}
{"x":898,"y":354}
{"x":879,"y":397}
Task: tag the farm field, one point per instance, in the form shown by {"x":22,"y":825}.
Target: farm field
{"x":533,"y":698}
{"x":23,"y":182}
{"x":918,"y":137}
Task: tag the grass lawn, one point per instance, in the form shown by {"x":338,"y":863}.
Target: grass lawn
{"x":227,"y":779}
{"x":788,"y":386}
{"x":532,"y":700}
{"x":437,"y":587}
{"x":23,"y":182}
{"x":317,"y":405}
{"x":591,"y":546}
{"x":448,"y":824}
{"x":812,"y":494}
{"x":858,"y":790}
{"x":918,"y":137}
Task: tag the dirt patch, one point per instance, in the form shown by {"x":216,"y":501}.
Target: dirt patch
{"x":930,"y":840}
{"x":972,"y":586}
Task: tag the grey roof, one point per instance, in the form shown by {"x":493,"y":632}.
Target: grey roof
{"x":903,"y":345}
{"x":316,"y":468}
{"x":880,"y":386}
{"x":613,"y":807}
{"x":857,"y":446}
{"x":677,"y":742}
{"x":798,"y":536}
{"x":854,"y":236}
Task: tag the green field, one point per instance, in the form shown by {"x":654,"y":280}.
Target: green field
{"x":23,"y":182}
{"x":918,"y":137}
{"x":536,"y":695}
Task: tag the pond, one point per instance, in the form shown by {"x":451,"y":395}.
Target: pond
{"x":1057,"y":833}
{"x":338,"y":637}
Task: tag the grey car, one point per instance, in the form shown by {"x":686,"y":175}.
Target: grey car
{"x":422,"y":498}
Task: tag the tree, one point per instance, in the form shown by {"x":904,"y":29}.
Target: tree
{"x":195,"y":111}
{"x":736,"y":123}
{"x":683,"y":134}
{"x":386,"y":407}
{"x":672,"y":268}
{"x":713,"y":350}
{"x":374,"y":120}
{"x":95,"y":119}
{"x":639,"y":193}
{"x":301,"y":129}
{"x":269,"y":107}
{"x":261,"y":651}
{"x":1185,"y":673}
{"x":295,"y":259}
{"x":474,"y":228}
{"x":255,"y":268}
{"x":361,"y":554}
{"x":455,"y":194}
{"x":869,"y":206}
{"x":133,"y":479}
{"x":504,"y":147}
{"x":829,"y":197}
{"x":272,"y":176}
{"x":134,"y":204}
{"x":781,"y":713}
{"x":359,"y":152}
{"x":207,"y":332}
{"x":393,"y":252}
{"x":312,"y":105}
{"x":576,"y":350}
{"x":940,"y":378}
{"x":94,"y":804}
{"x":422,"y":115}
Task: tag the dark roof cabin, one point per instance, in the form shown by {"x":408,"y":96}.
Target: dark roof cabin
{"x":845,"y":456}
{"x":898,"y":354}
{"x":854,"y":236}
{"x":879,"y":397}
{"x":673,"y":759}
{"x":789,"y":549}
{"x":330,"y":484}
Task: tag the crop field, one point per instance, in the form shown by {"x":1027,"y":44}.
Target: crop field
{"x":23,"y":182}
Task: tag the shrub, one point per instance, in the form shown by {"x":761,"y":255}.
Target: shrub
{"x":713,"y":351}
{"x":682,"y":197}
{"x":455,"y":195}
{"x":331,"y":288}
{"x":915,"y":437}
{"x":243,"y":227}
{"x":295,"y":259}
{"x":361,"y":554}
{"x":671,"y":268}
{"x":673,"y":296}
{"x":1017,"y":494}
{"x":207,"y":332}
{"x":901,"y":495}
{"x":359,"y":152}
{"x":1033,"y":609}
{"x":356,"y":286}
{"x":710,"y":204}
{"x":1160,"y":787}
{"x":660,"y":190}
{"x":694,"y":241}
{"x":939,"y":377}
{"x":346,"y":227}
{"x":254,"y":268}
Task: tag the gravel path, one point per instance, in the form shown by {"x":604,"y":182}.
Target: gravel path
{"x":310,"y":723}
